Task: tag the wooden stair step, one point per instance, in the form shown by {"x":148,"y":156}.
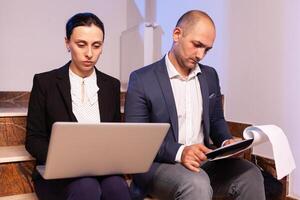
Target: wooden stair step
{"x":13,"y":112}
{"x":15,"y":178}
{"x":28,"y":196}
{"x":12,"y":131}
{"x":10,"y":154}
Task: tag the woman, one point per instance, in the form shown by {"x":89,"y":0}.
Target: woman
{"x":75,"y":92}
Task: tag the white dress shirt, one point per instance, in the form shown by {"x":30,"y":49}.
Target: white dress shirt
{"x":84,"y":94}
{"x":188,"y":100}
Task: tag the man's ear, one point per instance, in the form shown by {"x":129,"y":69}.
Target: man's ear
{"x":177,"y":34}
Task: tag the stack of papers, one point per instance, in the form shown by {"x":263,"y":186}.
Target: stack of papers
{"x":254,"y":135}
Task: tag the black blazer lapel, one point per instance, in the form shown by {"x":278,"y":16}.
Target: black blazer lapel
{"x":64,"y":87}
{"x":103,"y":97}
{"x":205,"y":100}
{"x":165,"y":85}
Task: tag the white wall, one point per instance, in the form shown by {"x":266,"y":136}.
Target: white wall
{"x":254,"y":72}
{"x":291,"y":79}
{"x":32,"y":37}
{"x":256,"y":53}
{"x":141,"y":41}
{"x":262,"y":70}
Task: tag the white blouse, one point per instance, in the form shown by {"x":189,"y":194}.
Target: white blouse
{"x":84,"y":94}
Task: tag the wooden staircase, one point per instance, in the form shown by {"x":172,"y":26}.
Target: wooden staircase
{"x":16,"y":164}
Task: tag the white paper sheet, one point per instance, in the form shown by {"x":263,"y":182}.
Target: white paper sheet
{"x":283,"y":157}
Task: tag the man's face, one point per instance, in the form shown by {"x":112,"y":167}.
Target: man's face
{"x":85,"y":44}
{"x":192,"y":44}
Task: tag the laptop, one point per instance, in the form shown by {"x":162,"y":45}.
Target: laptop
{"x":85,"y":149}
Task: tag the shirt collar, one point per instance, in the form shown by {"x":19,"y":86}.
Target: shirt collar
{"x":91,"y":87}
{"x":173,"y":73}
{"x":76,"y":78}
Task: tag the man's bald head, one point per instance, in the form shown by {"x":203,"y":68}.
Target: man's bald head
{"x":193,"y":37}
{"x":189,"y":19}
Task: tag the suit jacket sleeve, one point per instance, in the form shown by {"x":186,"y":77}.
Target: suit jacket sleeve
{"x":138,"y":108}
{"x":218,"y":126}
{"x":37,"y":136}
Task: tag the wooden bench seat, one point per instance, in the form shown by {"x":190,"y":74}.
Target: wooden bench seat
{"x":28,"y":196}
{"x":16,"y":164}
{"x":9,"y":154}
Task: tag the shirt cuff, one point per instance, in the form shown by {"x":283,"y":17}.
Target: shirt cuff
{"x":179,"y":153}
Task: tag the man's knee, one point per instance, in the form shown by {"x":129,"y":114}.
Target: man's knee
{"x":253,"y":178}
{"x":196,"y":186}
{"x":250,"y":184}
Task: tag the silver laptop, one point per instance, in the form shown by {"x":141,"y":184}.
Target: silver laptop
{"x":77,"y":149}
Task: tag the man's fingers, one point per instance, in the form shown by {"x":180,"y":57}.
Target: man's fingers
{"x":193,"y":166}
{"x":231,"y":141}
{"x":203,"y":148}
{"x":195,"y":163}
{"x":194,"y":152}
{"x":200,"y":155}
{"x":190,"y":156}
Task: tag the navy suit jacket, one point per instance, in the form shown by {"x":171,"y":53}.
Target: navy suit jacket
{"x":150,"y":98}
{"x":50,"y":101}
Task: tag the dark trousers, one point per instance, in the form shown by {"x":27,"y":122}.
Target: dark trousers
{"x":84,"y":188}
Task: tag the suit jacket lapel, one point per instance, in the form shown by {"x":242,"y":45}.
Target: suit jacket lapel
{"x":205,"y":100}
{"x":102,"y":96}
{"x":63,"y":83}
{"x":165,"y":84}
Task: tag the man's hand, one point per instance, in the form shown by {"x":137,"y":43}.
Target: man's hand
{"x":193,"y":155}
{"x":232,"y":141}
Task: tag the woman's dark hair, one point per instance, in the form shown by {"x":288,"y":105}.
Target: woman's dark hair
{"x":83,"y":19}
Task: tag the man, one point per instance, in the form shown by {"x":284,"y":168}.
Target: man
{"x":180,"y":91}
